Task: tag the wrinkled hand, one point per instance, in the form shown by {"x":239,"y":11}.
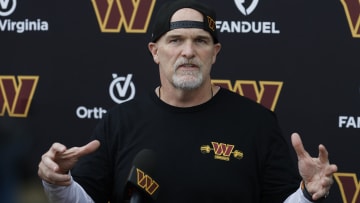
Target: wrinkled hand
{"x":317,"y":173}
{"x":56,"y":163}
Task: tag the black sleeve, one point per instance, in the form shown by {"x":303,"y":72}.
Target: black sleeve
{"x":93,"y":172}
{"x":280,"y":174}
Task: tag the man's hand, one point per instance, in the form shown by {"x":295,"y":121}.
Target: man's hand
{"x":317,"y":173}
{"x":56,"y":163}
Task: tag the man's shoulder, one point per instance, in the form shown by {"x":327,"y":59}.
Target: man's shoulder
{"x":242,"y":102}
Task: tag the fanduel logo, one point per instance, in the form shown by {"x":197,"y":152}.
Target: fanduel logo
{"x":246,"y":11}
{"x":7,"y":7}
{"x":256,"y":27}
{"x":349,"y":122}
{"x":133,"y":15}
{"x":352,"y":10}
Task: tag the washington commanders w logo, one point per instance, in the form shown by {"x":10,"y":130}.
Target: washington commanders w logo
{"x":349,"y":187}
{"x":134,"y":15}
{"x":16,"y":99}
{"x":352,"y":10}
{"x":267,"y":95}
{"x":146,"y":182}
{"x":222,"y":151}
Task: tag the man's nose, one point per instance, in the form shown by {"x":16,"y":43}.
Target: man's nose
{"x":188,"y":50}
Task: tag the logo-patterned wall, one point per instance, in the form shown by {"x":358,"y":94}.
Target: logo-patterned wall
{"x":64,"y":65}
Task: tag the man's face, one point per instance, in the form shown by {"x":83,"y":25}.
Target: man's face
{"x":185,"y":55}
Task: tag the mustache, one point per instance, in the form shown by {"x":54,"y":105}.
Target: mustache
{"x":187,"y":62}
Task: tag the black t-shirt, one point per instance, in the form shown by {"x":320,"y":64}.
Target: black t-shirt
{"x":229,"y":149}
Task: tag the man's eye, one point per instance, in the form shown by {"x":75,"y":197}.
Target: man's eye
{"x":201,"y":41}
{"x":174,"y":40}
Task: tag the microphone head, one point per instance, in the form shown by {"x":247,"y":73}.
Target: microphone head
{"x":142,"y":176}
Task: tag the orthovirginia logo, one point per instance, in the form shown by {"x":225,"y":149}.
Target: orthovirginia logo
{"x":352,"y":10}
{"x":256,"y":27}
{"x":16,"y":98}
{"x":133,"y":15}
{"x":8,"y":7}
{"x":222,"y":151}
{"x":121,"y":89}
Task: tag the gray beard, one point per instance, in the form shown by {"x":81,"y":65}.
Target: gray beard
{"x":188,"y":81}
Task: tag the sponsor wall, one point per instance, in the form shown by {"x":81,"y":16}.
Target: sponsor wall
{"x":64,"y":65}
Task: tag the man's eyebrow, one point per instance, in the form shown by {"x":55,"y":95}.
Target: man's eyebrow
{"x":174,"y":35}
{"x":203,"y":37}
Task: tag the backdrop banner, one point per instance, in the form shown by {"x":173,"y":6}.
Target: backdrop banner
{"x":64,"y":65}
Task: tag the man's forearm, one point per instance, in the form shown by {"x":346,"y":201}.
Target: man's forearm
{"x":297,"y":197}
{"x":73,"y":193}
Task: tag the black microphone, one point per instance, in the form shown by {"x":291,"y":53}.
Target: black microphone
{"x":142,"y":184}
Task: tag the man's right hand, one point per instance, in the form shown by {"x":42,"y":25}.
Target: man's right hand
{"x":56,"y":163}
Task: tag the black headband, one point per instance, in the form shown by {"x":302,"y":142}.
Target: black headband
{"x":186,"y":24}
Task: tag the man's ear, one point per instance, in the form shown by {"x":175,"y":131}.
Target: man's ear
{"x":154,"y":51}
{"x":216,"y":51}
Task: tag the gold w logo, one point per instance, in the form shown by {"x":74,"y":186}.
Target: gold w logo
{"x":352,"y":10}
{"x":349,"y":187}
{"x":146,"y":182}
{"x":16,"y":99}
{"x":134,"y":15}
{"x":267,"y":95}
{"x":222,"y":149}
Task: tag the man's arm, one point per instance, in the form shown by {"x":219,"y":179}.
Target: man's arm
{"x":297,"y":197}
{"x":54,"y":170}
{"x":73,"y":193}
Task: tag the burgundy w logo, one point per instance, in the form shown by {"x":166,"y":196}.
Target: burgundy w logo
{"x":352,"y":10}
{"x":267,"y":94}
{"x":16,"y":99}
{"x":222,"y":149}
{"x":349,"y":187}
{"x":146,"y":182}
{"x":134,"y":15}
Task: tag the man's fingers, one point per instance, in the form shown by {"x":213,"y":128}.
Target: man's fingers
{"x":57,"y":179}
{"x":330,"y":170}
{"x":298,"y":146}
{"x":323,"y":154}
{"x":59,"y":158}
{"x":77,"y":152}
{"x":51,"y":176}
{"x":56,"y":148}
{"x":49,"y":163}
{"x":89,"y":148}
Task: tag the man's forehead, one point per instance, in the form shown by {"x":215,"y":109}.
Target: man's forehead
{"x":187,"y":14}
{"x":186,"y":32}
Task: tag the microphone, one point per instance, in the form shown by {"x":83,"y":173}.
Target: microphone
{"x":142,"y":185}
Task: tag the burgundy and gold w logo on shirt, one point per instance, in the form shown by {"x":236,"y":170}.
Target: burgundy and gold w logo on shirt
{"x":222,"y":151}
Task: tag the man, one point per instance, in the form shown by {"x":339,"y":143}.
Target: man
{"x":212,"y":145}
